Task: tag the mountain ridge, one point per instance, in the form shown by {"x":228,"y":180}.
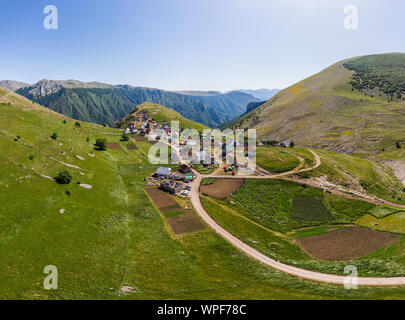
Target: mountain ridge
{"x":106,"y":104}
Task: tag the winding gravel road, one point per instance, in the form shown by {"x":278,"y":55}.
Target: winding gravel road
{"x":255,"y":254}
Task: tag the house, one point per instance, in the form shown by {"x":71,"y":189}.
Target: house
{"x":163,"y":172}
{"x":127,"y":131}
{"x":184,"y":168}
{"x":132,"y":126}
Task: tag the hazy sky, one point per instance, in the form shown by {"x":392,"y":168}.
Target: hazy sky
{"x":191,"y":44}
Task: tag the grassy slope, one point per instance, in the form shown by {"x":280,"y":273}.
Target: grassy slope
{"x":110,"y":236}
{"x":160,"y":114}
{"x":323,"y":111}
{"x":359,"y":174}
{"x":276,"y":160}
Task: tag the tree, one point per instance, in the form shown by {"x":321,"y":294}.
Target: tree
{"x":398,"y":145}
{"x":101,"y":144}
{"x":291,"y":144}
{"x":77,"y":124}
{"x":125,"y":137}
{"x":54,"y":136}
{"x":64,"y":177}
{"x":64,"y":121}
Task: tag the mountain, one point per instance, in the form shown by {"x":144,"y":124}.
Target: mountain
{"x":356,"y":105}
{"x":261,"y":94}
{"x":13,"y":85}
{"x":160,"y":114}
{"x":106,"y":104}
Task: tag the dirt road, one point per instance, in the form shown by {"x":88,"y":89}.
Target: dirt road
{"x":253,"y":253}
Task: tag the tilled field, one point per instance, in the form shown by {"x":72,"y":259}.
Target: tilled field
{"x":346,"y":244}
{"x":222,"y":188}
{"x":185,"y":223}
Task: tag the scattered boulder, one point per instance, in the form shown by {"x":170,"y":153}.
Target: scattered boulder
{"x":86,"y":186}
{"x":127,"y":289}
{"x":62,"y":211}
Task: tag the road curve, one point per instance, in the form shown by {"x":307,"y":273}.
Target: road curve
{"x":255,"y":254}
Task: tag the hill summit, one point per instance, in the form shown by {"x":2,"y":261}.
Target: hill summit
{"x":354,"y":106}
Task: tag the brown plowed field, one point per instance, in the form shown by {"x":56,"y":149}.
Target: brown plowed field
{"x":222,"y":188}
{"x":131,"y":146}
{"x":161,"y":199}
{"x":185,"y":223}
{"x":346,"y":244}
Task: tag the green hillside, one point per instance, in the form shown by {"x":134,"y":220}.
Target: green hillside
{"x":352,"y":111}
{"x":110,"y":236}
{"x":107,"y":104}
{"x":160,"y":114}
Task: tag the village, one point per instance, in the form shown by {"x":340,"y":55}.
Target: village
{"x":176,"y":181}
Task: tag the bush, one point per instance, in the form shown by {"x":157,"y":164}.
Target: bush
{"x":64,"y":121}
{"x":125,"y":137}
{"x":88,"y":139}
{"x":101,"y":144}
{"x":64,"y":177}
{"x":68,"y":192}
{"x":77,"y":124}
{"x":54,"y":136}
{"x":398,"y":145}
{"x":31,"y":157}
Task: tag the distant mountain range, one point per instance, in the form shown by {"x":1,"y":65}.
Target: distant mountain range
{"x":354,"y":106}
{"x":261,"y":94}
{"x":106,"y":104}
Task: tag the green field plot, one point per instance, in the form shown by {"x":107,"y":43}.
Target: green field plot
{"x":276,"y":160}
{"x":350,"y":207}
{"x":307,"y":209}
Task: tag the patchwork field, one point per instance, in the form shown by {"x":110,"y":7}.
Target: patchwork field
{"x":346,"y":244}
{"x":222,"y":188}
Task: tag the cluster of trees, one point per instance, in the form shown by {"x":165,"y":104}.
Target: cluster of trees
{"x":383,"y":74}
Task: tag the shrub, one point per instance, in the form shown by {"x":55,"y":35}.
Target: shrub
{"x":64,"y":177}
{"x":31,"y":157}
{"x":68,"y":192}
{"x":77,"y":124}
{"x":125,"y":137}
{"x":54,"y":136}
{"x":101,"y":144}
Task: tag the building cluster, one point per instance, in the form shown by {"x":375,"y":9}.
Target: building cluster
{"x":175,"y":182}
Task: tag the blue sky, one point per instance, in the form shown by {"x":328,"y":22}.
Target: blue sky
{"x":191,"y":44}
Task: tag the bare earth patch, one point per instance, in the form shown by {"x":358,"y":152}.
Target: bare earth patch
{"x":113,"y":146}
{"x":185,"y":223}
{"x":161,"y":199}
{"x":222,"y":188}
{"x":346,"y":244}
{"x":131,"y":146}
